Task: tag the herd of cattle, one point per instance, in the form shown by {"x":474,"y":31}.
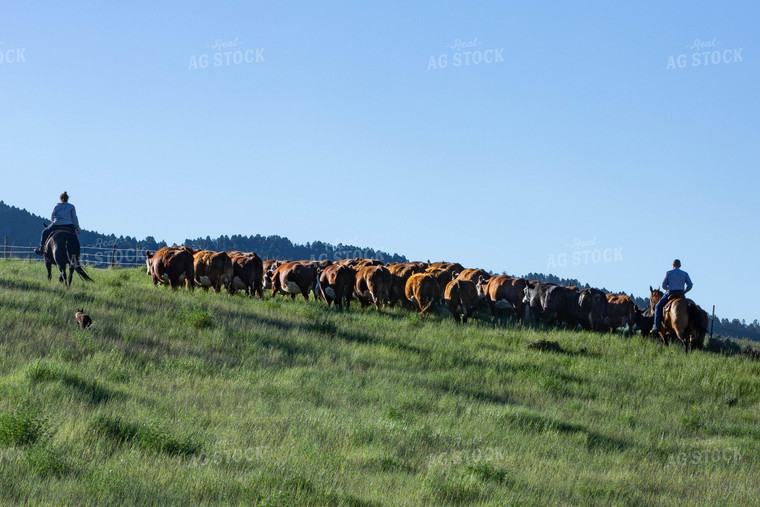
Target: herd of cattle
{"x":412,"y":284}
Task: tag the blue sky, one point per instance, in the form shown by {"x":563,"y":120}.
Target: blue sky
{"x":578,"y":138}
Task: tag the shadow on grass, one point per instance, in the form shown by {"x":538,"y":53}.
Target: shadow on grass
{"x":552,"y":346}
{"x":467,"y":392}
{"x":146,"y":436}
{"x":594,"y":441}
{"x":729,"y":347}
{"x":90,"y":391}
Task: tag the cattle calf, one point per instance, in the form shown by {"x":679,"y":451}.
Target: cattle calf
{"x":644,"y":320}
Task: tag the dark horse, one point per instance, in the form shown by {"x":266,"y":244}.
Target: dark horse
{"x":683,"y":318}
{"x":61,"y":248}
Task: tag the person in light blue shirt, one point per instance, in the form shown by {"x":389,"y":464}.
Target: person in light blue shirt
{"x":64,"y":216}
{"x":676,"y":281}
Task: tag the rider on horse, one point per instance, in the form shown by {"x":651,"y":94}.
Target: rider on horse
{"x":64,"y":217}
{"x":674,"y":283}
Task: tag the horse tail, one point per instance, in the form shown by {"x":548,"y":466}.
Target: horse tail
{"x":699,"y":325}
{"x":82,"y":273}
{"x":74,"y":262}
{"x":695,"y":317}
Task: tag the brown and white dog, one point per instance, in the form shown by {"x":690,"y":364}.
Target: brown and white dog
{"x":83,"y":319}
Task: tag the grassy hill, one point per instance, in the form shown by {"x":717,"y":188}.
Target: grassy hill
{"x":193,"y":398}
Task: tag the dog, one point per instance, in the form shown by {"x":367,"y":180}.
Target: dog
{"x":83,"y":319}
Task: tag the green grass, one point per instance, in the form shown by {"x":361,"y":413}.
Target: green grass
{"x":201,"y":398}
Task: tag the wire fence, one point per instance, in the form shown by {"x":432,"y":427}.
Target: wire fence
{"x":90,"y":255}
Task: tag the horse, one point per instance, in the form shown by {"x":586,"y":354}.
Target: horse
{"x":62,"y":248}
{"x":681,"y":317}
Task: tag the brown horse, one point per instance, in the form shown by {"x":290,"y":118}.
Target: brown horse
{"x":683,"y":318}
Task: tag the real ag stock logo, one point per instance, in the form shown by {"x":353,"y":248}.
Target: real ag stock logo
{"x":225,"y":54}
{"x":11,"y":55}
{"x":465,"y":53}
{"x":703,"y":54}
{"x":585,"y":252}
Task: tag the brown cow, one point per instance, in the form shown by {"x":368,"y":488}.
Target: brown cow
{"x":423,"y":289}
{"x":622,"y":311}
{"x":454,"y":267}
{"x":373,"y":285}
{"x":359,"y":262}
{"x":504,"y":292}
{"x":461,"y":298}
{"x":442,"y":276}
{"x":318,"y":266}
{"x":212,"y":269}
{"x":473,"y":275}
{"x":336,"y":283}
{"x":171,"y":265}
{"x":400,"y":273}
{"x":294,"y":278}
{"x":247,"y":274}
{"x":268,"y":267}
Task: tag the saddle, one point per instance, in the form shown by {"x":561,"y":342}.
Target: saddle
{"x":671,"y":298}
{"x":68,"y":228}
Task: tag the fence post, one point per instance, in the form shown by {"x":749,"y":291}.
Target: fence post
{"x":712,"y":322}
{"x":5,"y":247}
{"x":137,"y":253}
{"x":113,"y":255}
{"x":82,"y":255}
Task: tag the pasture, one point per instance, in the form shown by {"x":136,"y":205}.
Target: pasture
{"x":201,"y":398}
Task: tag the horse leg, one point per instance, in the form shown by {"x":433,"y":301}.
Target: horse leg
{"x":71,"y":275}
{"x":66,"y":281}
{"x":48,"y":266}
{"x":684,"y":337}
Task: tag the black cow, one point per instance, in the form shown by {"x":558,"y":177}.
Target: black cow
{"x":594,"y":315}
{"x":551,"y":303}
{"x":644,"y":320}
